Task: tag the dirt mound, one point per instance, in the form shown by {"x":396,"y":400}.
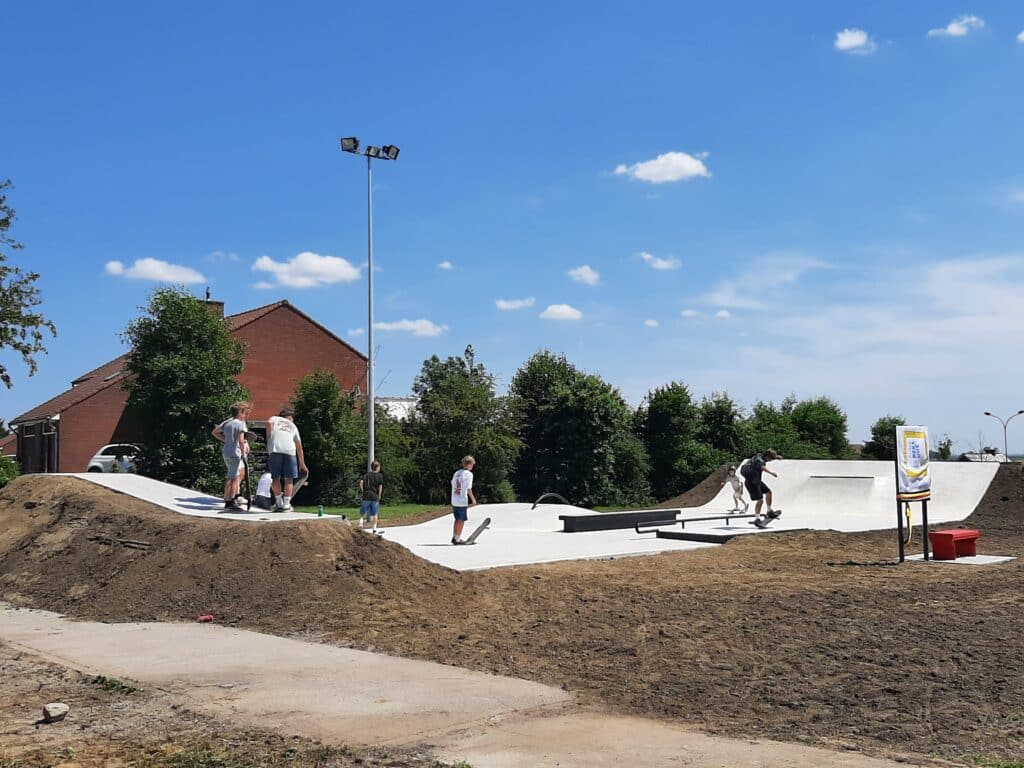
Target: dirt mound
{"x":71,"y":546}
{"x":814,"y":636}
{"x":701,"y":493}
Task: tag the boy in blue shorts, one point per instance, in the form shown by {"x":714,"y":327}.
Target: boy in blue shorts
{"x":371,"y":488}
{"x":462,"y":497}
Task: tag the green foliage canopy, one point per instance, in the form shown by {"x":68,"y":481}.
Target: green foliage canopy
{"x":458,"y":413}
{"x":21,"y":328}
{"x":577,"y":435}
{"x":180,"y":379}
{"x":882,"y":444}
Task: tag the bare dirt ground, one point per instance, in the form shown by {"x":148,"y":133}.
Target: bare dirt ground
{"x":807,"y":637}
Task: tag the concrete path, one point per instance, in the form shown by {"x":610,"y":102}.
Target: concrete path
{"x":351,"y":697}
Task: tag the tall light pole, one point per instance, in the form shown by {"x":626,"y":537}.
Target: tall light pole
{"x":371,"y":153}
{"x":1006,"y":449}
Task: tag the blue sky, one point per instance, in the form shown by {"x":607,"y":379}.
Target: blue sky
{"x":817,"y":198}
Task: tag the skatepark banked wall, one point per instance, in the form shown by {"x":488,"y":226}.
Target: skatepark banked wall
{"x":856,"y":495}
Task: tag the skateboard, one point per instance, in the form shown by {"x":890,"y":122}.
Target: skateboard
{"x":766,"y":520}
{"x":252,"y":437}
{"x":479,"y":529}
{"x":300,"y":482}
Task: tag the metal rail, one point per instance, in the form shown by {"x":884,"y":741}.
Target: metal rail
{"x":546,"y":495}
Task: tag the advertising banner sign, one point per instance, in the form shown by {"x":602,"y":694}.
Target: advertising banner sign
{"x":914,"y":483}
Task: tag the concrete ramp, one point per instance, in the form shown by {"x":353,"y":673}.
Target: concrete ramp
{"x":851,"y":496}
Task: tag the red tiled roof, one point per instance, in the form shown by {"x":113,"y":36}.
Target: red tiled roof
{"x":98,"y":379}
{"x":8,"y":444}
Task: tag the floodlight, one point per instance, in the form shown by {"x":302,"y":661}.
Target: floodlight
{"x":373,"y":151}
{"x":350,"y":144}
{"x":390,"y":151}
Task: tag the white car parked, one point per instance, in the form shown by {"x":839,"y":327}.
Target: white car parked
{"x":103,"y":461}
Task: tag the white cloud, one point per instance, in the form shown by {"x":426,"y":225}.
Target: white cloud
{"x":854,"y":40}
{"x":355,"y":332}
{"x":671,"y":166}
{"x":561,"y":312}
{"x":263,"y":285}
{"x":958,"y":27}
{"x":156,"y":270}
{"x":650,"y":323}
{"x":689,"y":313}
{"x":723,"y":314}
{"x":655,"y":263}
{"x":308,"y":270}
{"x":1020,"y":36}
{"x":762,"y":280}
{"x":446,"y":265}
{"x":585,"y":274}
{"x":415,"y":327}
{"x":507,"y":305}
{"x":220,"y":257}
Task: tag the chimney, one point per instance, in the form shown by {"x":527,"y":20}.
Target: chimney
{"x":216,"y":307}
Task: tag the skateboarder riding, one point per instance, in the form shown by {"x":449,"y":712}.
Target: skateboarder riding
{"x":758,"y":491}
{"x":737,"y":491}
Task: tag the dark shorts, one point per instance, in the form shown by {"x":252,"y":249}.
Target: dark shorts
{"x":369,"y":509}
{"x":283,"y":465}
{"x":757,"y":489}
{"x":263,"y":502}
{"x":461,"y":513}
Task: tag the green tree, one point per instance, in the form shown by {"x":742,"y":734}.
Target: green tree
{"x":720,"y":424}
{"x":8,"y":470}
{"x":4,"y":429}
{"x":882,"y":444}
{"x":669,"y":423}
{"x":822,"y":423}
{"x":577,"y":435}
{"x":333,"y":438}
{"x":180,"y":382}
{"x":21,"y":328}
{"x":771,"y":426}
{"x":334,"y":432}
{"x":458,"y":413}
{"x":945,"y":451}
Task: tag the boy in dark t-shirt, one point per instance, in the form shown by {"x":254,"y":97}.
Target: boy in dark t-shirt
{"x":371,"y":489}
{"x":759,"y":492}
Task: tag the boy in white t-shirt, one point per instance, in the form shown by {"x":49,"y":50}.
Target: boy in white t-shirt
{"x":462,"y":497}
{"x":286,"y":461}
{"x":263,"y":498}
{"x":737,"y":490}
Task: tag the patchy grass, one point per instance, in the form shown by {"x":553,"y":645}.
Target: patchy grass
{"x":111,"y":684}
{"x":997,"y":762}
{"x":387,"y":512}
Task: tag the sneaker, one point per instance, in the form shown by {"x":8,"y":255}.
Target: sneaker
{"x":774,"y":514}
{"x":761,"y":522}
{"x":457,"y":541}
{"x":287,"y":508}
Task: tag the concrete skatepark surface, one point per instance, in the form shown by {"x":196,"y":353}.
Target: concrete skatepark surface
{"x":338,"y":695}
{"x":814,"y":495}
{"x":184,"y":501}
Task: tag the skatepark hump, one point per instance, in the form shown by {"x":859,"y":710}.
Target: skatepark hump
{"x":842,"y":496}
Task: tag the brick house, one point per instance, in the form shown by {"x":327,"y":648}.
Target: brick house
{"x":282,"y":346}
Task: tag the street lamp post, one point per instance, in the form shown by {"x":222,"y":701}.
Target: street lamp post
{"x":1004,"y":422}
{"x":371,"y":153}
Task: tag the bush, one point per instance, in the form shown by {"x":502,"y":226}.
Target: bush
{"x":8,"y":470}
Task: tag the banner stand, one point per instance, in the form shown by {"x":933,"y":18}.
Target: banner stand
{"x":913,"y":481}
